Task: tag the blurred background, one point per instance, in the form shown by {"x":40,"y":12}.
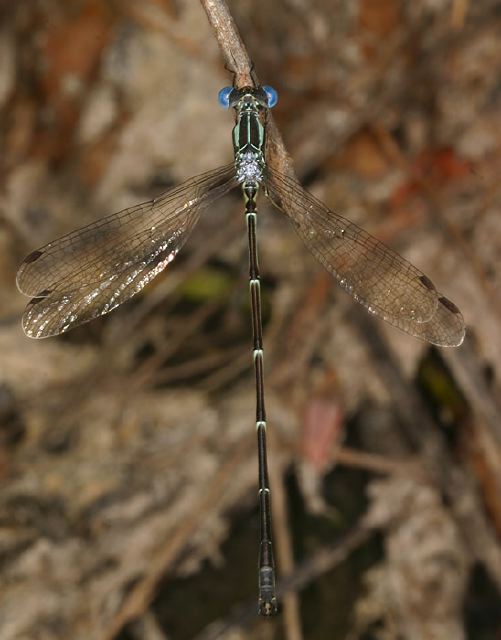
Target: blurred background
{"x":127,"y":446}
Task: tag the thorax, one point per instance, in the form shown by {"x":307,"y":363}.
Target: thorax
{"x":248,"y":144}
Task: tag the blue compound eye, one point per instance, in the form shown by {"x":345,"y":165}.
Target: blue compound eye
{"x":223,"y":97}
{"x":272,"y":96}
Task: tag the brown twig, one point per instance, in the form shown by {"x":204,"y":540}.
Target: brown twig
{"x":235,"y":55}
{"x":285,"y":555}
{"x":147,"y":628}
{"x":374,"y":463}
{"x":458,"y":13}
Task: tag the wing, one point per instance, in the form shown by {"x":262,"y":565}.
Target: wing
{"x":374,"y":275}
{"x":89,"y":272}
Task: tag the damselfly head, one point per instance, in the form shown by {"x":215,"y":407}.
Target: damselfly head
{"x":265,"y":97}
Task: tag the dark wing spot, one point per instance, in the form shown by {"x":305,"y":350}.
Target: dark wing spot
{"x":449,"y":305}
{"x":40,"y":296}
{"x":427,"y":283}
{"x":34,"y":255}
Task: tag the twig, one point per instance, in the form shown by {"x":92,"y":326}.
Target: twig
{"x":149,"y":369}
{"x":196,"y":366}
{"x":147,"y":628}
{"x":326,"y":559}
{"x":235,"y":55}
{"x":458,"y":13}
{"x":374,"y":463}
{"x":285,"y":556}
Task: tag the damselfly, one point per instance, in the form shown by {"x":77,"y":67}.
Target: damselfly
{"x":89,"y":272}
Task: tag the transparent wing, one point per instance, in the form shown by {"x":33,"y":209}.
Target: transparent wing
{"x":374,"y":275}
{"x":89,"y":272}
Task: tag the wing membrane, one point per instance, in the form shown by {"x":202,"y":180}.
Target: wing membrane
{"x":374,"y":275}
{"x":89,"y":272}
{"x":101,"y":249}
